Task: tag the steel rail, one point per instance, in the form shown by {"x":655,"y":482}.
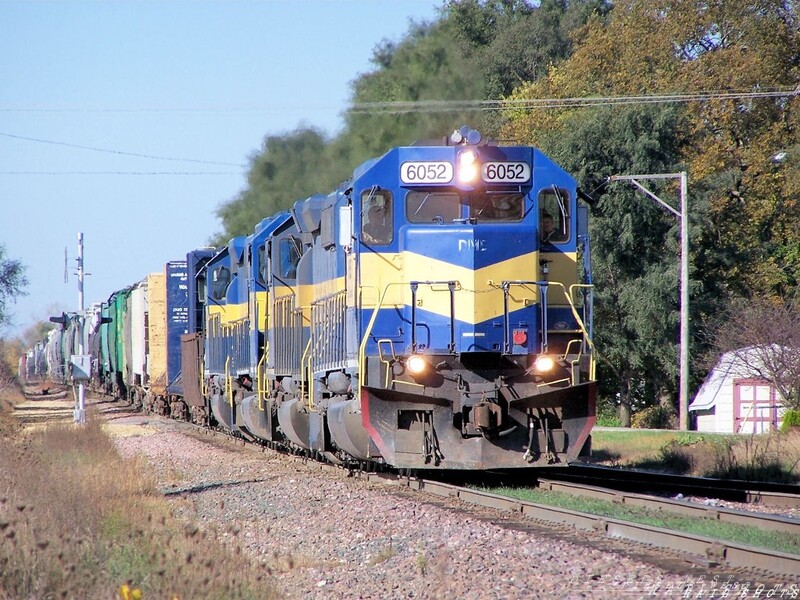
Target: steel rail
{"x":768,"y":493}
{"x":681,"y":507}
{"x":709,"y":551}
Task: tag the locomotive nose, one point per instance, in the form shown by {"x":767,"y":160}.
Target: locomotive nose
{"x":461,"y":298}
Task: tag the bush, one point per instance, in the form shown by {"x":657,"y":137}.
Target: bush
{"x":607,"y":415}
{"x":791,"y":419}
{"x":654,"y":417}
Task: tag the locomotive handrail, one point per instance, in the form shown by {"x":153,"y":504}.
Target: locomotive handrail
{"x":261,"y":392}
{"x":202,"y":374}
{"x":543,"y":285}
{"x":328,"y":313}
{"x":362,"y":348}
{"x":581,"y":324}
{"x":318,"y":341}
{"x":383,"y":360}
{"x":310,"y":389}
{"x":388,"y":364}
{"x":451,"y":286}
{"x":228,"y":388}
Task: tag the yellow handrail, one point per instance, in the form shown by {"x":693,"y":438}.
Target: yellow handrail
{"x":384,"y":361}
{"x":578,"y":320}
{"x":202,"y":374}
{"x":303,"y":371}
{"x":228,"y":384}
{"x":261,"y":392}
{"x":362,"y":349}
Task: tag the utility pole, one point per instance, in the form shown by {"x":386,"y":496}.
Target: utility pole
{"x":683,"y":399}
{"x":80,"y":409}
{"x":80,"y":364}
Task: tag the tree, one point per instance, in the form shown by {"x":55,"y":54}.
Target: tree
{"x":476,"y":50}
{"x":426,"y":68}
{"x":764,"y":335}
{"x":289,"y":167}
{"x":741,"y":153}
{"x":634,"y":245}
{"x":512,"y":42}
{"x":12,"y":283}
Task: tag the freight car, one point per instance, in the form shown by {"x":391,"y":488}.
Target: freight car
{"x":432,"y":312}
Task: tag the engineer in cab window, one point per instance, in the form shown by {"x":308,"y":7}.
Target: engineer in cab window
{"x":378,"y":225}
{"x":549,"y":233}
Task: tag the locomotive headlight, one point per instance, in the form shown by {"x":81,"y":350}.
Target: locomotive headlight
{"x":416,"y":365}
{"x":468,"y":166}
{"x":544,"y":363}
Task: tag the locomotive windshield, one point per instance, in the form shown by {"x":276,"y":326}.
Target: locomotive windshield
{"x":554,"y":215}
{"x":220,"y":278}
{"x":376,"y":216}
{"x":446,"y":207}
{"x":497,"y":206}
{"x":432,"y":207}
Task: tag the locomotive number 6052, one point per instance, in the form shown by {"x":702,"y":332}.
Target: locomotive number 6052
{"x":506,"y":172}
{"x":426,"y":172}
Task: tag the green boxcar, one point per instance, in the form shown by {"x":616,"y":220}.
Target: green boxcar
{"x":118,"y":306}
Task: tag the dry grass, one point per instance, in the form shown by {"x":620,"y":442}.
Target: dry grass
{"x":767,"y":457}
{"x":78,"y":521}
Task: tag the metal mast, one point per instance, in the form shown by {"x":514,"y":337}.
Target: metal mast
{"x":80,"y":408}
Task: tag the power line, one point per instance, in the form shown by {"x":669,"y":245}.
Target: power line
{"x":398,"y":107}
{"x":164,"y":109}
{"x":406,"y":106}
{"x":120,"y":152}
{"x":192,"y":173}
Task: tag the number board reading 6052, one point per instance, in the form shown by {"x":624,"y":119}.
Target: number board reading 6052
{"x":506,"y":172}
{"x":426,"y":172}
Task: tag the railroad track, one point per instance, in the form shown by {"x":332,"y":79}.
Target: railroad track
{"x":709,"y":552}
{"x":625,"y":480}
{"x":704,"y":551}
{"x":678,"y":507}
{"x":701,"y":550}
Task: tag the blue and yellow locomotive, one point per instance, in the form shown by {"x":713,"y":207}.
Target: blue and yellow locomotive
{"x":433,"y":312}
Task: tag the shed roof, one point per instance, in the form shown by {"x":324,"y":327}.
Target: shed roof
{"x":730,"y":364}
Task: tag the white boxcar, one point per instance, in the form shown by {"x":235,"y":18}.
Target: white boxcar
{"x":138,"y":315}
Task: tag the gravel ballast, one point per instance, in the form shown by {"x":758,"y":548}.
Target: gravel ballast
{"x":322,"y":535}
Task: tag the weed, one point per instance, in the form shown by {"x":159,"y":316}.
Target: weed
{"x":79,"y":521}
{"x":422,"y":561}
{"x":383,"y":556}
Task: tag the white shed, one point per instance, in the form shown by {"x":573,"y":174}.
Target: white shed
{"x":733,"y":400}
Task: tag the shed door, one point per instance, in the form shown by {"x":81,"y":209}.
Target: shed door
{"x":754,"y":407}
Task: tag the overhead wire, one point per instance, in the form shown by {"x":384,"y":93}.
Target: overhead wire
{"x":119,"y":173}
{"x":393,"y":107}
{"x":396,"y":107}
{"x":120,"y":152}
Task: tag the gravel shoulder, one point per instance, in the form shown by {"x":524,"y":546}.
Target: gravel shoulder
{"x":322,"y":535}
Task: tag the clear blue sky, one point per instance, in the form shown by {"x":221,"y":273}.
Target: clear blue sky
{"x":86,"y":86}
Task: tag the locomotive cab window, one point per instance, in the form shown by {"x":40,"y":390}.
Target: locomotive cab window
{"x":289,"y":256}
{"x":554,"y":217}
{"x":262,"y":268}
{"x":497,"y":206}
{"x":432,"y":207}
{"x":220,"y":279}
{"x":376,"y":217}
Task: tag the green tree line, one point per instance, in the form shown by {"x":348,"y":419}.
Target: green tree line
{"x":739,"y":145}
{"x":709,"y":88}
